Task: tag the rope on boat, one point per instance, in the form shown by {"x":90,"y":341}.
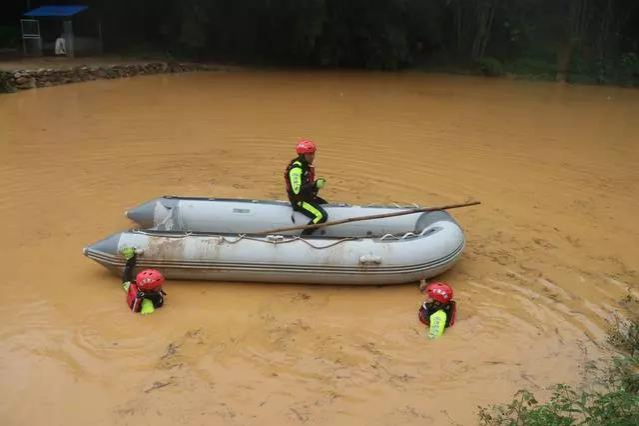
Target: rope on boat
{"x":159,"y":234}
{"x":394,"y":204}
{"x":270,"y":239}
{"x":406,"y":235}
{"x":281,"y":239}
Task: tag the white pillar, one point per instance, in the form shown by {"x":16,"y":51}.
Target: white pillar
{"x":68,"y":37}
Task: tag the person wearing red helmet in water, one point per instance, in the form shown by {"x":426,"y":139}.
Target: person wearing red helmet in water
{"x":144,"y":294}
{"x":302,"y":187}
{"x":438,"y":311}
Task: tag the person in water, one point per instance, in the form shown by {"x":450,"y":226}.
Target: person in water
{"x":302,"y":187}
{"x":144,"y":294}
{"x":438,"y":311}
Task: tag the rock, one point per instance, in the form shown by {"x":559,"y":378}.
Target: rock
{"x":27,"y":83}
{"x":45,"y":77}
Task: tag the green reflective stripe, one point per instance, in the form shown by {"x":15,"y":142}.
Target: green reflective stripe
{"x":437,"y":324}
{"x":308,"y":207}
{"x":295,"y":176}
{"x":126,"y":285}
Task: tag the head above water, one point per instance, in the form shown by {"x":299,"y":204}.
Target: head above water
{"x":149,"y":280}
{"x":437,"y":291}
{"x":307,"y":148}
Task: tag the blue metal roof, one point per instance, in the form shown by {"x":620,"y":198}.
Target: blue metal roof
{"x":55,"y":11}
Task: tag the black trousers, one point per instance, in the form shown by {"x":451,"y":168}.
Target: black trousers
{"x":313,"y":210}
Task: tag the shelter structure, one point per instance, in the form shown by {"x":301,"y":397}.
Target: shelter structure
{"x":43,"y":25}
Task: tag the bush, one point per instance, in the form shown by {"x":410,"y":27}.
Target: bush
{"x":629,"y":69}
{"x":490,"y":67}
{"x":5,"y":86}
{"x":533,"y":67}
{"x":568,"y":407}
{"x":9,"y":37}
{"x":624,"y":334}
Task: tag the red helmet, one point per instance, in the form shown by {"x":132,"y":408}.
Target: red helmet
{"x":439,"y":292}
{"x":149,"y":280}
{"x":305,"y":146}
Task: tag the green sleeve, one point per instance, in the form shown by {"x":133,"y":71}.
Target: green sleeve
{"x":295,"y":176}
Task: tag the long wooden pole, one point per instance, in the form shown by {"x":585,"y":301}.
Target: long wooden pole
{"x":375,"y":216}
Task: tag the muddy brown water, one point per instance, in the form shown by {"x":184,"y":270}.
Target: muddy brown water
{"x":550,"y":251}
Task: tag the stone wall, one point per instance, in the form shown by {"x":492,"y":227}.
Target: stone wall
{"x":12,"y":81}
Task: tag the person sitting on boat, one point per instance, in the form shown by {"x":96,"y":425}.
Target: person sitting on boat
{"x":439,"y":310}
{"x":302,"y":187}
{"x":144,"y":294}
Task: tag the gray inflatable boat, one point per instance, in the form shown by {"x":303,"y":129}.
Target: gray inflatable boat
{"x":225,"y":240}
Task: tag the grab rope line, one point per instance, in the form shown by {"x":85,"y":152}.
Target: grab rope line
{"x":270,"y":239}
{"x":394,"y":204}
{"x":280,"y":239}
{"x":247,"y":200}
{"x":407,"y":235}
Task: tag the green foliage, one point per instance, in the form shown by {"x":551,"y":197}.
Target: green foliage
{"x":193,"y":29}
{"x":5,"y":77}
{"x":614,"y":403}
{"x":9,"y":37}
{"x":490,"y":67}
{"x":629,"y":69}
{"x":624,"y":374}
{"x":533,"y":67}
{"x":630,"y":61}
{"x":522,"y":37}
{"x":566,"y":407}
{"x":624,"y":333}
{"x":526,"y":410}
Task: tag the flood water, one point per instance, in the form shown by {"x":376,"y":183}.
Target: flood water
{"x":550,"y":251}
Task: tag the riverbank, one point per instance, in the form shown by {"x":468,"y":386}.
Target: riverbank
{"x":610,"y":394}
{"x":20,"y":73}
{"x":31,"y":73}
